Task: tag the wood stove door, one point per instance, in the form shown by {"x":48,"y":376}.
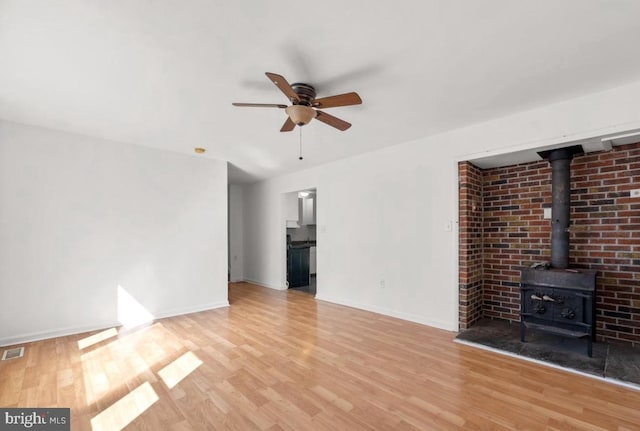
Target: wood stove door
{"x":537,"y":303}
{"x":569,"y":307}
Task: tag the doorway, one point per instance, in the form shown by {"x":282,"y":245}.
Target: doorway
{"x":301,"y":240}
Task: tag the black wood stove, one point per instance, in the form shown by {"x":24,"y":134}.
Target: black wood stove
{"x":558,"y":301}
{"x":553,"y":297}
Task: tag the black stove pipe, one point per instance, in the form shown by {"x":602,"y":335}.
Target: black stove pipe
{"x":560,"y":161}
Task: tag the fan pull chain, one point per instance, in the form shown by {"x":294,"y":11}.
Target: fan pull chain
{"x":300,"y":158}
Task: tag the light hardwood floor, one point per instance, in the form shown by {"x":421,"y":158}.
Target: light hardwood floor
{"x":284,"y":361}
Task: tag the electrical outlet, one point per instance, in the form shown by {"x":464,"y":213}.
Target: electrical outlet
{"x":382,"y":284}
{"x":635,"y":193}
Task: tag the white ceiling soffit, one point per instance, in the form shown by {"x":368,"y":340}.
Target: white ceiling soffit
{"x":600,"y":143}
{"x":164,"y":73}
{"x":621,"y":139}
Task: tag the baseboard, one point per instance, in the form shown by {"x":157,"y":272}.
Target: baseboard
{"x":387,"y":312}
{"x":45,"y":335}
{"x":265,"y":284}
{"x":189,"y":310}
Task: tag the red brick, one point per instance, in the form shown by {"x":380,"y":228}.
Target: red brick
{"x":606,"y":227}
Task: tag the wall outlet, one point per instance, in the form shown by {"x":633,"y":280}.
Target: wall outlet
{"x":635,"y":193}
{"x":382,"y":284}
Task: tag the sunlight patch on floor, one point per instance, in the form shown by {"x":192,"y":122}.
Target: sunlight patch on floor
{"x":125,"y":410}
{"x":96,"y":338}
{"x":130,"y":312}
{"x":112,"y":365}
{"x":173,"y":373}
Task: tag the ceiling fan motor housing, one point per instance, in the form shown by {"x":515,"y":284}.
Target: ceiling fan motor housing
{"x":305,"y":92}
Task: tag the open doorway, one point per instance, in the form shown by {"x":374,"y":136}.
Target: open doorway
{"x":301,"y":240}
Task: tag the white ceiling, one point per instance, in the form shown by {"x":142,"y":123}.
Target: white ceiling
{"x":164,"y":73}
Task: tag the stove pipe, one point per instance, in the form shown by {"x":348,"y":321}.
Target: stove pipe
{"x":560,"y":161}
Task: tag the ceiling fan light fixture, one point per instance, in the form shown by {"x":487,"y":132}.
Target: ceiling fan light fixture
{"x":303,"y":99}
{"x":301,"y":114}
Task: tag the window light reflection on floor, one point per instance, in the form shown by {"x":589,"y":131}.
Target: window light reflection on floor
{"x":96,"y":338}
{"x":125,"y":410}
{"x":173,"y":373}
{"x":130,"y":312}
{"x":126,"y":357}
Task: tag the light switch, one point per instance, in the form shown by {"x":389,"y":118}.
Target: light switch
{"x":635,"y":193}
{"x":547,"y":213}
{"x":447,"y":226}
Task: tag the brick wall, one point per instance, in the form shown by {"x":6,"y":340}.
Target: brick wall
{"x":515,"y":232}
{"x":470,"y":251}
{"x":604,"y":235}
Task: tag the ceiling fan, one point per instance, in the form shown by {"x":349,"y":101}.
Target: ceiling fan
{"x":304,"y":105}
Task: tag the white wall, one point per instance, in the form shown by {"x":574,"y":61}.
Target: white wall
{"x":236,"y":234}
{"x":383,"y":213}
{"x":80,"y":217}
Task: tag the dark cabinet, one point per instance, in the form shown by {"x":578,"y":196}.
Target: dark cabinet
{"x":298,"y":267}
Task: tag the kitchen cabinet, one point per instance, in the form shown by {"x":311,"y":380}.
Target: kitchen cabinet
{"x":298,"y":266}
{"x":312,"y":260}
{"x":291,"y":209}
{"x":307,"y":211}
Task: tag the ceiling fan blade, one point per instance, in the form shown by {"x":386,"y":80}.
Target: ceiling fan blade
{"x":332,"y":121}
{"x":288,"y":125}
{"x":260,"y":105}
{"x":283,"y":85}
{"x":346,"y":99}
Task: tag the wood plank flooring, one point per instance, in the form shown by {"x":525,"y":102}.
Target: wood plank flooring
{"x":284,"y":361}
